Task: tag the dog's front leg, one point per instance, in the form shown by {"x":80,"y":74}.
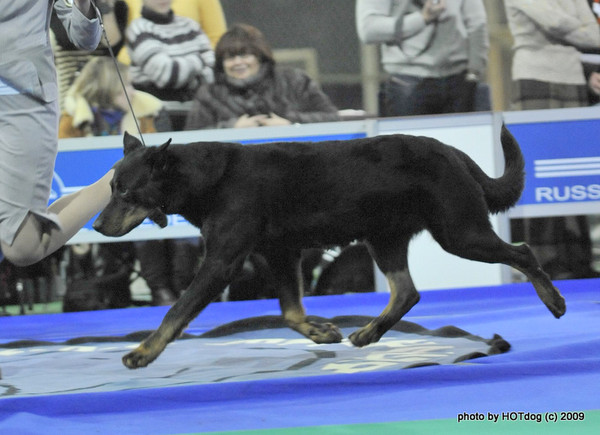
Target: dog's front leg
{"x":212,"y":278}
{"x":287,"y":272}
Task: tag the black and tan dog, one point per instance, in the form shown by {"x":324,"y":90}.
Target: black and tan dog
{"x":279,"y":198}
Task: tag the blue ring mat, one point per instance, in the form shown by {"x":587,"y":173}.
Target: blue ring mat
{"x":552,"y":366}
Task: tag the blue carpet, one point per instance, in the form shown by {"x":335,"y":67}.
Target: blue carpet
{"x":257,"y":379}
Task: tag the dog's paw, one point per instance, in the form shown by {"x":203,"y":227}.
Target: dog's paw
{"x":323,"y":333}
{"x":364,"y":336}
{"x":552,"y":298}
{"x":138,"y":358}
{"x":557,"y":306}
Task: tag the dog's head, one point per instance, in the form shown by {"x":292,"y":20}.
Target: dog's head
{"x":137,"y":189}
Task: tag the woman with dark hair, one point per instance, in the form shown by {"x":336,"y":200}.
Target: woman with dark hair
{"x":250,"y":90}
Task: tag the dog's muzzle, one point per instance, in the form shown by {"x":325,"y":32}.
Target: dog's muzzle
{"x":118,"y":219}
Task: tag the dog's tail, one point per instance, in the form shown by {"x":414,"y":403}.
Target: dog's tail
{"x":503,"y":192}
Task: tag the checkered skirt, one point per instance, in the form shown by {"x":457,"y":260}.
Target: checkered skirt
{"x":534,"y":94}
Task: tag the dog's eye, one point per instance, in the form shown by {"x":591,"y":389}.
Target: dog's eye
{"x":123,"y":193}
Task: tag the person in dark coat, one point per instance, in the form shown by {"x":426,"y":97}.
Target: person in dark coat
{"x":250,"y":90}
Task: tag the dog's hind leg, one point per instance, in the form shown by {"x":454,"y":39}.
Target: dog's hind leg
{"x":287,"y":271}
{"x":393,"y":262}
{"x":481,"y":243}
{"x":525,"y":261}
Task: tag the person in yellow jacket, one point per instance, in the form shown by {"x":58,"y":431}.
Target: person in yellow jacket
{"x":208,"y":13}
{"x":96,"y":105}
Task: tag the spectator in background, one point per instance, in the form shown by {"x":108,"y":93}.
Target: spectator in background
{"x":548,"y":39}
{"x":594,"y":85}
{"x":69,"y":59}
{"x":250,"y":90}
{"x":207,"y":13}
{"x":547,"y":74}
{"x":96,"y":104}
{"x":435,"y":53}
{"x":170,"y":55}
{"x":591,"y":64}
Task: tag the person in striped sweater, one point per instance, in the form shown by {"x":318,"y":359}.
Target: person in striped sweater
{"x":170,"y":54}
{"x":208,"y":13}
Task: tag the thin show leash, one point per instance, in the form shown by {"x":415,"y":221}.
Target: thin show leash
{"x":112,"y":55}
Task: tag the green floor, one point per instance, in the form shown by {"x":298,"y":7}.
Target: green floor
{"x":48,"y":308}
{"x":590,"y":425}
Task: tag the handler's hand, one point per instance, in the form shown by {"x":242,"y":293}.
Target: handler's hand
{"x":594,"y":82}
{"x":249,"y":121}
{"x":432,"y":10}
{"x":273,"y":120}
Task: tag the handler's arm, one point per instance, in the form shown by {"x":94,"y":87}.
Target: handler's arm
{"x":85,"y":6}
{"x":82,"y":25}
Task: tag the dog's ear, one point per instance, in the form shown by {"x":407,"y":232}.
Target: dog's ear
{"x":159,"y":158}
{"x":158,"y":217}
{"x":164,"y":146}
{"x":131,"y":143}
